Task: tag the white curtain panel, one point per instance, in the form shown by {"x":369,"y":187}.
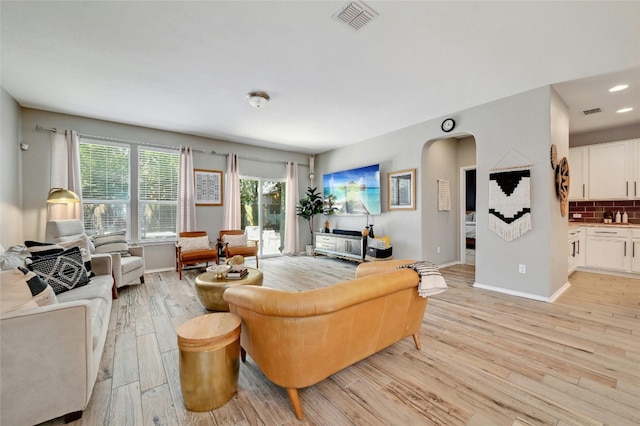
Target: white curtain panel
{"x":291,"y":219}
{"x":232,"y":194}
{"x":65,"y":172}
{"x":186,"y":220}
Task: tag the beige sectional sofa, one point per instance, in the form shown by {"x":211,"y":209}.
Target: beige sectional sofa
{"x":50,"y":355}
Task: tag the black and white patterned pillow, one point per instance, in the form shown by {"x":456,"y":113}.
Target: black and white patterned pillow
{"x":114,"y":242}
{"x":38,"y":249}
{"x":63,"y":271}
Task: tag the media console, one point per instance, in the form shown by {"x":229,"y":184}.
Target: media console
{"x":341,"y":243}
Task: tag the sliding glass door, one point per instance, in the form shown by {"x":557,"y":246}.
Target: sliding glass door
{"x":263,"y":209}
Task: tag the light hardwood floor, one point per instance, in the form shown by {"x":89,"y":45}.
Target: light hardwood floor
{"x":486,"y":359}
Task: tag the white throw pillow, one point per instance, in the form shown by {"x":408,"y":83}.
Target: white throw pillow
{"x":22,"y":289}
{"x":194,"y":243}
{"x":235,"y":240}
{"x":114,"y":242}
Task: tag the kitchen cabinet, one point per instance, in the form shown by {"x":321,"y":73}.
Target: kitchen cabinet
{"x":635,"y":250}
{"x":634,"y":185}
{"x":608,"y":248}
{"x":579,"y":172}
{"x":576,"y":249}
{"x":608,"y":170}
{"x":343,"y":246}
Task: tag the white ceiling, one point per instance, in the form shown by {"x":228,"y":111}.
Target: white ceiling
{"x":187,"y":66}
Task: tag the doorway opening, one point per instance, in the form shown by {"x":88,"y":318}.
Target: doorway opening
{"x":263,"y":213}
{"x":468,"y":219}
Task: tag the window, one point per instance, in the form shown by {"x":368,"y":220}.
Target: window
{"x":157,"y":194}
{"x":105,"y":187}
{"x":110,"y":177}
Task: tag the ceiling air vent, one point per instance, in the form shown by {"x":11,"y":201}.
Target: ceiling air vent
{"x":355,"y":14}
{"x":591,"y":111}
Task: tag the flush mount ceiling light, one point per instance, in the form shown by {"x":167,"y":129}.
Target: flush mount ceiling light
{"x":618,"y":88}
{"x":623,"y":110}
{"x":258,"y":99}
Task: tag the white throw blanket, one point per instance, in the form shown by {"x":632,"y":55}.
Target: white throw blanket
{"x":431,"y":281}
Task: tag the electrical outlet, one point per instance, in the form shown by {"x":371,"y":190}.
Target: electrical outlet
{"x":522,"y":268}
{"x":438,"y":249}
{"x":577,"y":215}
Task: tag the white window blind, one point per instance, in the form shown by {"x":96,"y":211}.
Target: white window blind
{"x":114,"y":199}
{"x":157,"y":193}
{"x":105,"y":178}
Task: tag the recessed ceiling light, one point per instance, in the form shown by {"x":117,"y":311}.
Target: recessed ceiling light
{"x":620,"y":111}
{"x":618,"y":88}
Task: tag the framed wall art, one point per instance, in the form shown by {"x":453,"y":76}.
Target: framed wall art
{"x":209,"y":187}
{"x":402,"y":190}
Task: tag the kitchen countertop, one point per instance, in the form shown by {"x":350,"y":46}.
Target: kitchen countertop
{"x":608,"y":225}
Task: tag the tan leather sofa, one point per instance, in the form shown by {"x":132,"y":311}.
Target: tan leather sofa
{"x":300,"y":338}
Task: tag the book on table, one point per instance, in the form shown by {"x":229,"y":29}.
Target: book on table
{"x":237,"y":275}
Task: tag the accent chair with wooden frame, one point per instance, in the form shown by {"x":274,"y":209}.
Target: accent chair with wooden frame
{"x":234,"y":242}
{"x":194,"y":247}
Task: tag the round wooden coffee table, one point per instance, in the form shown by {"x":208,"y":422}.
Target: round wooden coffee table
{"x":210,"y":289}
{"x":209,"y":360}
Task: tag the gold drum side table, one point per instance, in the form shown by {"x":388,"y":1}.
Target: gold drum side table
{"x":209,"y":360}
{"x":210,"y":288}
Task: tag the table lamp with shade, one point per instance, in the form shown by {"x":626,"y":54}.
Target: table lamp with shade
{"x":58,"y":202}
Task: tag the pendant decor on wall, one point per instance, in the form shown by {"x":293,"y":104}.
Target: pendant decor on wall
{"x":562,"y":185}
{"x":510,"y":201}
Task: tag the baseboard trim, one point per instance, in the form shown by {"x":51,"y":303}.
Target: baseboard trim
{"x":153,"y":271}
{"x":523,"y":294}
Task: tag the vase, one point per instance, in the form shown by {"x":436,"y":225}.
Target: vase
{"x":371,"y":232}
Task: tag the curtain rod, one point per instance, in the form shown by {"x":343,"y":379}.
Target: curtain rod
{"x":212,"y":152}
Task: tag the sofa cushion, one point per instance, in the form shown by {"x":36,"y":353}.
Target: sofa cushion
{"x":114,"y":242}
{"x":235,"y":240}
{"x":98,"y":288}
{"x":23,"y":289}
{"x":63,"y":271}
{"x":194,"y":243}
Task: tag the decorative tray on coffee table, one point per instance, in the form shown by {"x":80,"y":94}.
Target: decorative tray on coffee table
{"x":219,"y":270}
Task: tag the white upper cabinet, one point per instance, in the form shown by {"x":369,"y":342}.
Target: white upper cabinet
{"x":578,"y":173}
{"x":609,"y":171}
{"x":634,"y":185}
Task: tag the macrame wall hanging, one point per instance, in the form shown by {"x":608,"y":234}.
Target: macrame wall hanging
{"x":510,"y":199}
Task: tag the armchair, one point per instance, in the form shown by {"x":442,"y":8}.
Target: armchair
{"x":127,"y":261}
{"x":234,"y":242}
{"x":192,"y":248}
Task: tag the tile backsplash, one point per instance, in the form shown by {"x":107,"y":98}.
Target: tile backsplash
{"x":593,"y":211}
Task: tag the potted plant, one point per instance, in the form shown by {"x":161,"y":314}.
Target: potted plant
{"x":309,"y":206}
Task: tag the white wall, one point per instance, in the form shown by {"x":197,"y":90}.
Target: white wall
{"x":508,"y":132}
{"x":631,"y":131}
{"x":268,"y":163}
{"x":10,"y":162}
